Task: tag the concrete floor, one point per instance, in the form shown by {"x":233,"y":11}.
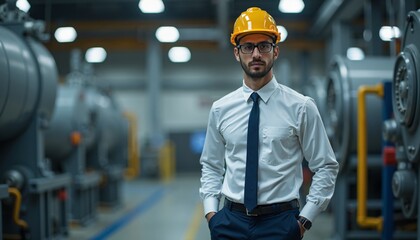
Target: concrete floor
{"x":156,"y":210}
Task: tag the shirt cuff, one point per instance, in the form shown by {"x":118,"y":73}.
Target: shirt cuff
{"x":310,"y":211}
{"x":211,"y":204}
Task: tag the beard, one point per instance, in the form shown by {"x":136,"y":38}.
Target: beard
{"x":262,"y":72}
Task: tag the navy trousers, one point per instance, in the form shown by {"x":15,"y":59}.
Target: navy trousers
{"x":233,"y":225}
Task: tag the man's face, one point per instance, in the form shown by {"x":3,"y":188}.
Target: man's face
{"x":256,"y":64}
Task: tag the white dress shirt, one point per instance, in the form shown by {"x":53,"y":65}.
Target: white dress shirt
{"x":291,"y":130}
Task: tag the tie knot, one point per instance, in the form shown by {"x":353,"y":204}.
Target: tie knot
{"x":254,"y":97}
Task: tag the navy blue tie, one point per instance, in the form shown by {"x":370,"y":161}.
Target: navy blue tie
{"x":251,"y":174}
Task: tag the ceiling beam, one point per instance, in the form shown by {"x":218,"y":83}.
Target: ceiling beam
{"x":334,"y":10}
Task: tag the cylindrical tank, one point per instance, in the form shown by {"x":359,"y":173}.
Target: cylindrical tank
{"x":28,"y":82}
{"x":108,"y":131}
{"x":406,"y":85}
{"x":71,"y":120}
{"x":344,"y":79}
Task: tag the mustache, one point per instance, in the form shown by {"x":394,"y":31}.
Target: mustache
{"x":256,"y":62}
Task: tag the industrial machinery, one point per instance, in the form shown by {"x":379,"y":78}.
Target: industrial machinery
{"x":108,"y":149}
{"x":344,"y":78}
{"x":404,"y":130}
{"x":37,"y":206}
{"x":66,"y":142}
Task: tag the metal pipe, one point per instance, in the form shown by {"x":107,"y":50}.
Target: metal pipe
{"x":362,"y":219}
{"x":18,"y":202}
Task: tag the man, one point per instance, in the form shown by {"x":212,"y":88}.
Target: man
{"x":257,"y":138}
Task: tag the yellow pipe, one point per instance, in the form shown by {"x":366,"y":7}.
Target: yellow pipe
{"x":362,"y":219}
{"x":18,"y":201}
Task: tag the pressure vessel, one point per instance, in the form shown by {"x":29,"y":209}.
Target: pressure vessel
{"x":71,"y":122}
{"x":28,"y":82}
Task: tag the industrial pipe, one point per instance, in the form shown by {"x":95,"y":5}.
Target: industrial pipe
{"x":16,"y":210}
{"x":362,"y":219}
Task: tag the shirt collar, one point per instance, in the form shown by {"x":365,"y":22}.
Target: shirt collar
{"x":265,"y":92}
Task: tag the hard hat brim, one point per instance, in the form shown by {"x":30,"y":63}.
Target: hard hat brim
{"x":236,"y":37}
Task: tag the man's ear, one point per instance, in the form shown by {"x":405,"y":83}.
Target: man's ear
{"x":276,"y":51}
{"x":236,"y":53}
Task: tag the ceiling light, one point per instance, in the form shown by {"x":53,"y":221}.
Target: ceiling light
{"x":283,"y":33}
{"x":95,"y":55}
{"x":179,"y":54}
{"x":65,"y":34}
{"x":151,"y":6}
{"x":167,"y":34}
{"x":23,"y":5}
{"x":291,"y":6}
{"x":387,"y":33}
{"x":355,"y":53}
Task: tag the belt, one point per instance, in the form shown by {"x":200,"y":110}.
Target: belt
{"x":262,"y":209}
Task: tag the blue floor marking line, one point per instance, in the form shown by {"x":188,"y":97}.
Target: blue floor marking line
{"x":124,"y":220}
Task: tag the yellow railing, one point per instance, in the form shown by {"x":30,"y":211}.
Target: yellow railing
{"x":362,"y":219}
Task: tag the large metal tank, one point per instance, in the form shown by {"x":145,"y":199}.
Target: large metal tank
{"x":28,"y":85}
{"x":109,"y":127}
{"x":344,"y":78}
{"x":71,"y":122}
{"x":28,"y":81}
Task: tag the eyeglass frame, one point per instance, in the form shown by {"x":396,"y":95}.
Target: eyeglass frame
{"x":239,"y":47}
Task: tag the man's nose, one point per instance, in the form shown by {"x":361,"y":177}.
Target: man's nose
{"x":256,"y":52}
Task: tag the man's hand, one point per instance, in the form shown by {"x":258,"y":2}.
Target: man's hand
{"x":302,"y":229}
{"x":210,"y":215}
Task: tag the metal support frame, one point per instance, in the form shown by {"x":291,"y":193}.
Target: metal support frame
{"x":85,"y":198}
{"x":344,"y":202}
{"x":344,"y":205}
{"x":84,"y":192}
{"x":110,"y":193}
{"x":45,"y":206}
{"x":49,"y":207}
{"x":111,"y":170}
{"x":3,"y":194}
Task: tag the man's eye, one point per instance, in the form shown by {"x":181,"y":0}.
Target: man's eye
{"x":248,"y":47}
{"x":264,"y":46}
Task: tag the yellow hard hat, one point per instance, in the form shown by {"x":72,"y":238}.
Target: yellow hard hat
{"x":254,"y":20}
